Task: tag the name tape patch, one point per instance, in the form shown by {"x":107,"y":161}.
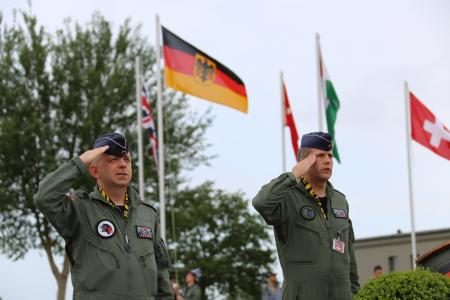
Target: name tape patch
{"x":144,"y":232}
{"x":340,"y":213}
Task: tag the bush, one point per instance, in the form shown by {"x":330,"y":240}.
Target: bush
{"x":420,"y":284}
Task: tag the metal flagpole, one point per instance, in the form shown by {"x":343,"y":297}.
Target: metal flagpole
{"x":162,"y":200}
{"x":410,"y":183}
{"x":283,"y":125}
{"x":139,"y":127}
{"x":319,"y":83}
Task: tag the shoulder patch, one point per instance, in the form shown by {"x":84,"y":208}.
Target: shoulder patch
{"x":149,"y":205}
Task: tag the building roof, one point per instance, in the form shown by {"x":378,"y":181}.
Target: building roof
{"x":401,"y":238}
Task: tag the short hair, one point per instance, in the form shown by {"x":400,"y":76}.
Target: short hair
{"x":303,"y":153}
{"x":97,"y":160}
{"x":377,"y":268}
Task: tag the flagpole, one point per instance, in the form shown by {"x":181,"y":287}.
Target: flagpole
{"x":410,"y":183}
{"x":162,"y":201}
{"x":319,"y":83}
{"x":139,"y":127}
{"x":283,"y":124}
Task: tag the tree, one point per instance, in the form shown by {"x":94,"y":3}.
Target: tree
{"x":229,"y":244}
{"x":58,"y":93}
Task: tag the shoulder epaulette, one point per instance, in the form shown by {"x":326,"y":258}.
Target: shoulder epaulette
{"x":148,"y":204}
{"x":340,"y":193}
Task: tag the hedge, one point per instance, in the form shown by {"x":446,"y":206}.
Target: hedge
{"x":414,"y":285}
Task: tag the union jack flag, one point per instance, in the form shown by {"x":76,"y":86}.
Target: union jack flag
{"x":149,"y":124}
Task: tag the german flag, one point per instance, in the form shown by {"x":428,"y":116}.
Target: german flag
{"x":191,"y":71}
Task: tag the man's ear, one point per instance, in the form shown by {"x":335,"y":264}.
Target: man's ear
{"x":93,"y":170}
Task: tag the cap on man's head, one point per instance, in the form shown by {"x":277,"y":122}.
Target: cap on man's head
{"x":117,"y":143}
{"x":317,"y":140}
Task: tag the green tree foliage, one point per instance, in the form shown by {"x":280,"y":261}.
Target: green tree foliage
{"x":216,"y":233}
{"x":57,"y":93}
{"x":415,"y":285}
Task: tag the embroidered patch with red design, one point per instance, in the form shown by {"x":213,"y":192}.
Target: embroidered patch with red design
{"x":144,"y":232}
{"x":106,"y":229}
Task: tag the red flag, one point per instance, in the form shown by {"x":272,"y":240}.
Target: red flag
{"x":289,"y":121}
{"x":427,"y":130}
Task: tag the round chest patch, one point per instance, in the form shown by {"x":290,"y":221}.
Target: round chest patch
{"x":106,"y":229}
{"x":308,"y":212}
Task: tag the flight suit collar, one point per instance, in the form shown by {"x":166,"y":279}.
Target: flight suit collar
{"x":330,"y":190}
{"x":133,"y":196}
{"x":329,"y":193}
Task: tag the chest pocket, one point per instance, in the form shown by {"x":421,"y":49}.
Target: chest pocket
{"x":303,"y":243}
{"x":143,"y":243}
{"x":95,"y":270}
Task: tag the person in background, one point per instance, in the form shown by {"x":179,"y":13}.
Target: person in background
{"x":377,"y":271}
{"x":272,"y":290}
{"x":192,"y":290}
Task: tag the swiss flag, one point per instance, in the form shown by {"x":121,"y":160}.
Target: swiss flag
{"x":289,"y":121}
{"x":427,"y":130}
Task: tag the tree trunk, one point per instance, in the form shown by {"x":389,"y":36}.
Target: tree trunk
{"x":61,"y":277}
{"x":61,"y":280}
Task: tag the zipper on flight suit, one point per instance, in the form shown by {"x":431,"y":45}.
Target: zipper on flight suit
{"x":128,"y":248}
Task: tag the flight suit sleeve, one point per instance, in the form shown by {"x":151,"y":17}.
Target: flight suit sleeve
{"x":52,"y":199}
{"x":270,"y":200}
{"x":354,"y":277}
{"x":164,"y":292}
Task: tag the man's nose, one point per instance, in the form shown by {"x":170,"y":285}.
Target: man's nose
{"x":122,"y":162}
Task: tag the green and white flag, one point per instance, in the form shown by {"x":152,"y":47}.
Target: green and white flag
{"x":331,"y":103}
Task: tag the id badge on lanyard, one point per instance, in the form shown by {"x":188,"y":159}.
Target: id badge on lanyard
{"x":338,"y":246}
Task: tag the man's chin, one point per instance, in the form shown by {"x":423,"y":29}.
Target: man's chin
{"x":122,"y":183}
{"x":326,"y":175}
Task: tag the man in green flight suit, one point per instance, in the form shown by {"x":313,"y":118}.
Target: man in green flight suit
{"x":112,"y":236}
{"x":313,"y":232}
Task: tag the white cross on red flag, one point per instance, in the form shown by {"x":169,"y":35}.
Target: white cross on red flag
{"x":289,"y":121}
{"x":427,"y":130}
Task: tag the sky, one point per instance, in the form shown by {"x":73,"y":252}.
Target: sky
{"x":370,"y":49}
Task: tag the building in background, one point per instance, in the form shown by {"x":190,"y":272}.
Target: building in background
{"x":393,"y":252}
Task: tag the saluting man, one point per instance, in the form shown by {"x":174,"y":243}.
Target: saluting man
{"x":112,"y":236}
{"x":313,"y":232}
